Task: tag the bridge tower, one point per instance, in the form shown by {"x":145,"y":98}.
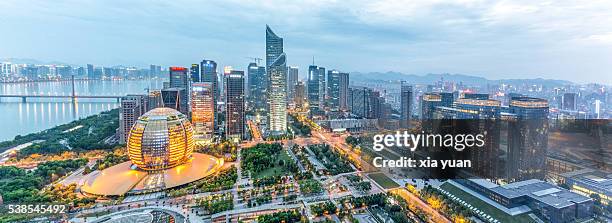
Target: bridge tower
{"x":73,"y":94}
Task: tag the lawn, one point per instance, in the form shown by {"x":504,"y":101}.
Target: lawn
{"x":483,"y":206}
{"x":277,"y":170}
{"x":382,"y":180}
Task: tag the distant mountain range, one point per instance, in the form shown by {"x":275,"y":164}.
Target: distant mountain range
{"x":30,"y":61}
{"x":432,"y":78}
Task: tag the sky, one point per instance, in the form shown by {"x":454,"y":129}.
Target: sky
{"x":569,"y":40}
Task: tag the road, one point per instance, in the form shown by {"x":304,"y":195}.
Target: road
{"x":434,"y":215}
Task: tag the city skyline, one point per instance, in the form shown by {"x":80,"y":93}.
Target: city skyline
{"x":471,"y":37}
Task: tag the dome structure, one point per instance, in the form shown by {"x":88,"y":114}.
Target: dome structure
{"x":161,"y":138}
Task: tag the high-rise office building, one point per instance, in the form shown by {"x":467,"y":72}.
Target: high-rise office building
{"x":194,"y":73}
{"x":316,"y":89}
{"x":365,"y":102}
{"x":570,"y":101}
{"x":132,"y":107}
{"x":258,"y":83}
{"x":343,"y":91}
{"x":528,"y":138}
{"x":208,"y":73}
{"x":277,"y":96}
{"x":300,"y":94}
{"x":292,"y":79}
{"x":234,"y":103}
{"x":276,"y":62}
{"x":180,"y":79}
{"x":333,"y":90}
{"x":405,"y":105}
{"x":90,"y":72}
{"x":274,"y":46}
{"x":202,"y":111}
{"x":171,"y":98}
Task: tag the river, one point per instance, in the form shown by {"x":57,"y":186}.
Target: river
{"x":37,"y":114}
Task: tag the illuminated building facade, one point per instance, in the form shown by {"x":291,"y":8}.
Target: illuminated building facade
{"x":316,"y":89}
{"x":194,"y":72}
{"x":162,"y":138}
{"x":202,"y":110}
{"x":234,"y":102}
{"x":277,"y":96}
{"x":208,"y":73}
{"x":276,"y":65}
{"x":333,"y":90}
{"x":429,"y":102}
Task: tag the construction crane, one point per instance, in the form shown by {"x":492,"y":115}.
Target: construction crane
{"x":256,"y":59}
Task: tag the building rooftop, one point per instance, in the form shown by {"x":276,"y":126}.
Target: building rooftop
{"x":538,"y":190}
{"x":593,"y":178}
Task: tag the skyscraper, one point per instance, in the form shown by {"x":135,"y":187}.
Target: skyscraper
{"x":365,"y":102}
{"x":194,"y":73}
{"x":258,"y":83}
{"x":277,"y":96}
{"x":569,"y":101}
{"x":202,"y":111}
{"x":179,"y":79}
{"x":276,"y":62}
{"x":316,"y":89}
{"x":234,"y":102}
{"x":292,"y":78}
{"x":274,"y":46}
{"x":90,"y":72}
{"x":132,"y":107}
{"x":300,"y":94}
{"x":528,"y":138}
{"x":343,"y":91}
{"x":337,"y":87}
{"x":405,"y":105}
{"x":208,"y":73}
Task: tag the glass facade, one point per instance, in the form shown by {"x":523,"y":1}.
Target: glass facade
{"x":162,"y":138}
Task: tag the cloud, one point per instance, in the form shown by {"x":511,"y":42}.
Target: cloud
{"x":496,"y":38}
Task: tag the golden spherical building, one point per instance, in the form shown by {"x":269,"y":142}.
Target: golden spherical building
{"x":161,"y":138}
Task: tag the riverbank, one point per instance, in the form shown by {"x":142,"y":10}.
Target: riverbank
{"x":80,"y":135}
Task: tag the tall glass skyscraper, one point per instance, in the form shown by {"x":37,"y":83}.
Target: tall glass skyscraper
{"x":258,"y":83}
{"x":292,"y":79}
{"x":274,"y":46}
{"x":333,"y":89}
{"x":202,"y":111}
{"x":316,"y":89}
{"x":405,"y":105}
{"x":234,"y":102}
{"x":276,"y":62}
{"x":208,"y":73}
{"x":179,"y":79}
{"x":195,"y":73}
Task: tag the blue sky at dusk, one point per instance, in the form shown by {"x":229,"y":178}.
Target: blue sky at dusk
{"x":569,"y":40}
